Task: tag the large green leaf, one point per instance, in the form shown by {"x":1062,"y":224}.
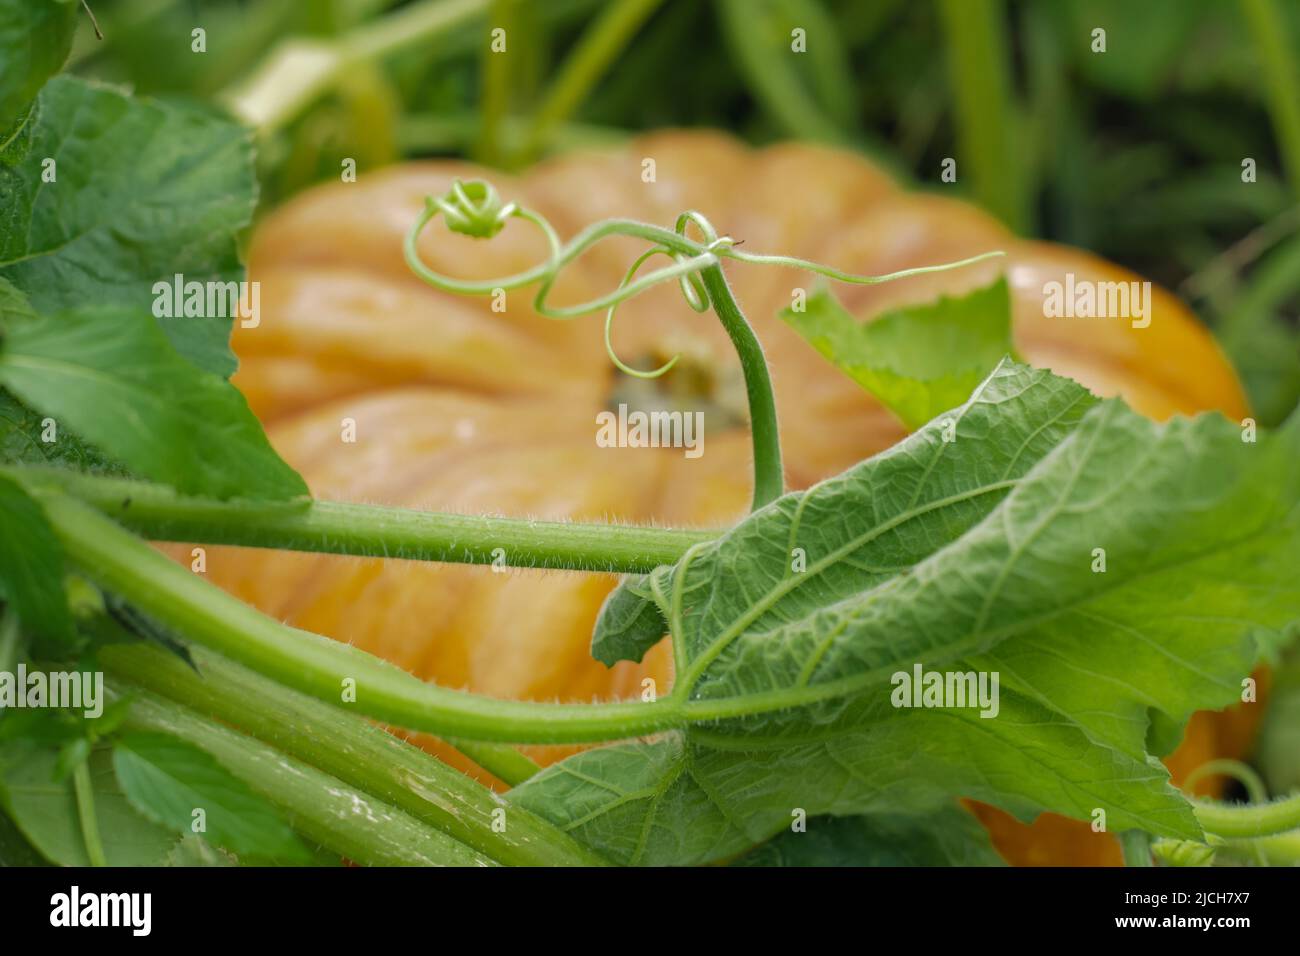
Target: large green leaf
{"x":110,"y":375}
{"x":920,"y":360}
{"x":142,"y":191}
{"x":974,"y":554}
{"x":947,"y":837}
{"x":167,"y":780}
{"x":35,"y":36}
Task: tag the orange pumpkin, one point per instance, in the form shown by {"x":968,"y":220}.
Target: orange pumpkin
{"x":458,"y":407}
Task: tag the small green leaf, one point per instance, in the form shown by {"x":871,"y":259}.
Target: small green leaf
{"x":44,"y":809}
{"x":142,"y":192}
{"x":35,"y":37}
{"x":947,"y":837}
{"x":31,"y":569}
{"x":170,"y":781}
{"x":630,"y":623}
{"x":110,"y":375}
{"x":919,"y":361}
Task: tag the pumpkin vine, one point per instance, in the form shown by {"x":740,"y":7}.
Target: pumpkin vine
{"x":474,"y":208}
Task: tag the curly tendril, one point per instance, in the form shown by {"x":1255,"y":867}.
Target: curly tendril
{"x":474,"y":209}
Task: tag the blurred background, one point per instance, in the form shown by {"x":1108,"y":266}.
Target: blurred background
{"x":1135,"y":154}
{"x":1144,"y":153}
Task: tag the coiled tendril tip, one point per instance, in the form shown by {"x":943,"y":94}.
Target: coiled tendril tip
{"x":473,"y":208}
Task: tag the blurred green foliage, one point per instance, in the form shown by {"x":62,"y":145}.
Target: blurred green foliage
{"x":1135,"y":153}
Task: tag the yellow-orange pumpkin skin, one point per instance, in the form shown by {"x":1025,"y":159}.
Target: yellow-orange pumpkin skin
{"x":457,"y":407}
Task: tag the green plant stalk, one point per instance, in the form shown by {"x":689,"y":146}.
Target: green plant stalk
{"x":160,"y":514}
{"x":350,"y":748}
{"x":1242,"y":773}
{"x":320,"y":807}
{"x":1277,"y":60}
{"x":86,"y":814}
{"x":124,"y":565}
{"x":769,"y":476}
{"x":1136,"y":847}
{"x":583,"y":68}
{"x":978,"y":70}
{"x":504,"y":762}
{"x":1282,"y":849}
{"x":1248,"y":821}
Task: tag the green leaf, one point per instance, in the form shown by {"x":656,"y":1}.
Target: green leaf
{"x":168,"y":780}
{"x":31,"y":569}
{"x":142,"y":192}
{"x":14,"y":848}
{"x":24,"y":433}
{"x":919,"y":361}
{"x":947,"y":837}
{"x":976,"y":554}
{"x":630,"y":623}
{"x":35,"y":37}
{"x":110,"y":375}
{"x":44,"y":810}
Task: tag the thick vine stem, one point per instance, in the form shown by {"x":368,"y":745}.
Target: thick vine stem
{"x":160,"y":514}
{"x":474,"y":209}
{"x":1248,"y":821}
{"x":124,"y":565}
{"x":351,"y":823}
{"x":349,"y":748}
{"x":183,"y":602}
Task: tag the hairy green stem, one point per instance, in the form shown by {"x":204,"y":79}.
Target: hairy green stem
{"x":157,"y":512}
{"x":86,"y":814}
{"x":186,"y":603}
{"x":1282,"y":849}
{"x":320,"y":807}
{"x":350,"y":748}
{"x":1246,"y":821}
